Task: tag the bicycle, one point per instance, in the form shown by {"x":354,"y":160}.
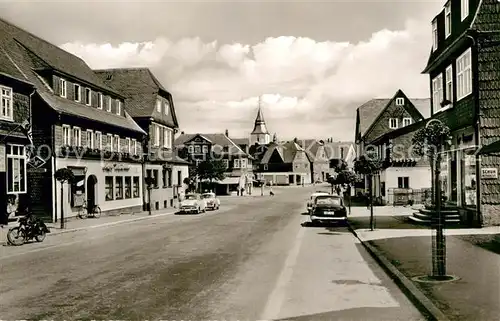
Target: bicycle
{"x":85,"y":212}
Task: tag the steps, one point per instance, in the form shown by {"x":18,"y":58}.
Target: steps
{"x":426,"y":215}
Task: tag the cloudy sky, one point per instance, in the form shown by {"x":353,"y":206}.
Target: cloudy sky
{"x":313,"y":62}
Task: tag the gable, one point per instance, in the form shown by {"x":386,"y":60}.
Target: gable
{"x":275,"y":157}
{"x":300,"y":157}
{"x":198,"y":139}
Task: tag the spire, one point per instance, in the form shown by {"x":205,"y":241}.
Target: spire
{"x":260,"y":124}
{"x":275,"y":138}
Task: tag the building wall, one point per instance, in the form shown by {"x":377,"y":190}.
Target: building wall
{"x":419,"y":178}
{"x":97,"y":168}
{"x":320,"y":169}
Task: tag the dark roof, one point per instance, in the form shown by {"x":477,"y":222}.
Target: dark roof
{"x":287,"y":151}
{"x":140,"y":87}
{"x":260,"y":124}
{"x":241,"y":141}
{"x":399,"y":132}
{"x":215,"y":139}
{"x":369,"y":111}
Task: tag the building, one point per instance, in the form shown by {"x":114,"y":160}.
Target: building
{"x":464,"y":81}
{"x":15,"y":103}
{"x":320,"y":163}
{"x":152,"y":108}
{"x":339,"y":151}
{"x":78,"y":123}
{"x":378,"y":117}
{"x":200,"y":147}
{"x":285,"y":164}
{"x":260,"y":135}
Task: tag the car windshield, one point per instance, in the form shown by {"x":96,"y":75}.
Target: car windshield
{"x":191,"y":197}
{"x":328,"y":200}
{"x":208,"y":195}
{"x":316,"y":195}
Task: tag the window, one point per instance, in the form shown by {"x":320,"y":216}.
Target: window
{"x":179,"y":178}
{"x":89,"y":138}
{"x":266,"y":167}
{"x":128,"y":145}
{"x":128,"y":187}
{"x":16,"y":169}
{"x":110,"y":104}
{"x":449,"y":84}
{"x":98,"y":140}
{"x":100,"y":101}
{"x":403,"y":182}
{"x":164,"y":173}
{"x":77,"y":136}
{"x":134,"y":146}
{"x":197,"y":149}
{"x":62,"y":88}
{"x":198,"y":161}
{"x":236,"y":163}
{"x":116,"y":143}
{"x":166,"y":138}
{"x":243,"y":163}
{"x":434,"y":35}
{"x":400,"y":101}
{"x":464,"y":9}
{"x":205,"y":149}
{"x":66,"y":134}
{"x":108,"y":187}
{"x":157,"y":135}
{"x":447,"y":19}
{"x":137,"y":187}
{"x":119,"y":188}
{"x":393,"y":123}
{"x":226,"y":163}
{"x":6,"y":109}
{"x":158,"y":105}
{"x":406,"y":121}
{"x":109,"y":144}
{"x":118,"y":107}
{"x":156,"y":178}
{"x":437,"y":92}
{"x":190,"y":149}
{"x":464,"y":75}
{"x":167,"y":107}
{"x":78,"y":92}
{"x":88,"y":96}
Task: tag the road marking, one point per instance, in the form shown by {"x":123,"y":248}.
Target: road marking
{"x":277,"y":296}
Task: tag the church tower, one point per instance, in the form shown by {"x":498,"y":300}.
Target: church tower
{"x":260,"y":135}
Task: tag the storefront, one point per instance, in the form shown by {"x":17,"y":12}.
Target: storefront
{"x":116,"y":187}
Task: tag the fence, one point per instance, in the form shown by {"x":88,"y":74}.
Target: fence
{"x":405,"y":196}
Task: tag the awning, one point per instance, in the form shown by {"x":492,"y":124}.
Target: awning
{"x":230,"y":181}
{"x":489,"y":149}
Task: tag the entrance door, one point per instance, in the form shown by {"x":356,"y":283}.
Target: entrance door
{"x":91,"y":191}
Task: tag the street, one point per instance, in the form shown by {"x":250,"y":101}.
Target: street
{"x":250,"y":260}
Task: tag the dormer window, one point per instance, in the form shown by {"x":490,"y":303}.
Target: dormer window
{"x":447,"y":19}
{"x":158,"y":105}
{"x":167,"y":107}
{"x":88,"y":96}
{"x":434,"y":35}
{"x":464,"y":8}
{"x":400,"y":101}
{"x":100,"y":101}
{"x":78,"y":93}
{"x":393,"y":123}
{"x":110,"y":103}
{"x":62,"y":88}
{"x":118,"y":107}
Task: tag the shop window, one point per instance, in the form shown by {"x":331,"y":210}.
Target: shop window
{"x":16,"y":169}
{"x":119,"y":188}
{"x":469,"y":181}
{"x":403,"y":182}
{"x":77,"y":195}
{"x":128,"y":187}
{"x":137,"y":186}
{"x":108,"y":186}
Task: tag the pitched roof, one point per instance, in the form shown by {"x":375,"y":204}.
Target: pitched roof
{"x":215,"y":139}
{"x":369,"y":111}
{"x":241,"y":141}
{"x":287,"y":151}
{"x":141,"y":88}
{"x":333,"y":149}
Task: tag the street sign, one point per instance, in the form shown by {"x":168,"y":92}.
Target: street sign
{"x":36,"y":162}
{"x":489,"y":173}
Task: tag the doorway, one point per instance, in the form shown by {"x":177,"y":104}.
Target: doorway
{"x":91,"y":191}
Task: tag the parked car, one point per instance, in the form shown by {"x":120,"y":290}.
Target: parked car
{"x":310,"y":202}
{"x":211,"y":201}
{"x":328,"y":208}
{"x":193,"y":203}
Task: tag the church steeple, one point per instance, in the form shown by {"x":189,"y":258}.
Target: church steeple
{"x":260,"y":134}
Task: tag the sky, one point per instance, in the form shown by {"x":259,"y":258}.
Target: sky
{"x":312,"y":62}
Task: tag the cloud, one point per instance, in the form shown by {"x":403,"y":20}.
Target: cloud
{"x":308,"y":87}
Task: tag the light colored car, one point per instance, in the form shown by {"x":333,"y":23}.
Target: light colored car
{"x":311,"y":200}
{"x":211,"y":201}
{"x":193,"y":203}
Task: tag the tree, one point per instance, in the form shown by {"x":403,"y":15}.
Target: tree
{"x":211,"y":170}
{"x":368,"y":165}
{"x":430,"y":141}
{"x":63,"y":175}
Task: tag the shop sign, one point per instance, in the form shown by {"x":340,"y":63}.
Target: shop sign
{"x":2,"y":159}
{"x":489,"y":173}
{"x":115,"y":167}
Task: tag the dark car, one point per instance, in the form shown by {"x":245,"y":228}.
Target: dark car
{"x":328,"y":208}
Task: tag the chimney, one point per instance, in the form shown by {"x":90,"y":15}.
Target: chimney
{"x":182,"y":133}
{"x":227,"y":133}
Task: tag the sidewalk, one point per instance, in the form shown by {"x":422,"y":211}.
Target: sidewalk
{"x":75,"y":224}
{"x":475,"y":296}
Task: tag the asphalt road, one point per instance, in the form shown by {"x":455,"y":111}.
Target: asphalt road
{"x":250,"y":260}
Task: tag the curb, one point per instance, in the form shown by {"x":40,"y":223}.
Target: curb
{"x":421,"y":301}
{"x":109,"y":224}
